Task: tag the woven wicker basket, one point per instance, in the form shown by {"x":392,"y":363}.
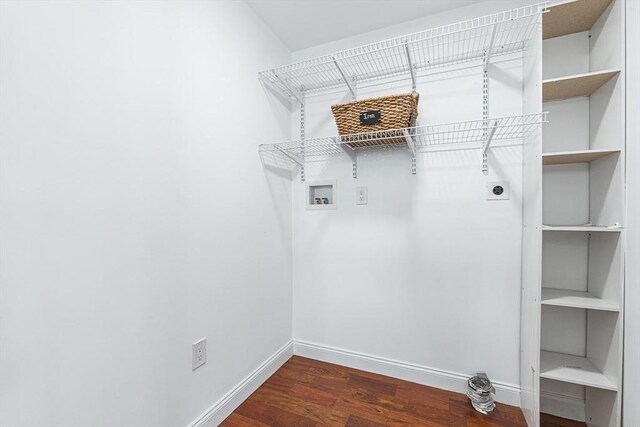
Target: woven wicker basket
{"x":374,"y":115}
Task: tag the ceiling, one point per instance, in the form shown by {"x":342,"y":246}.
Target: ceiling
{"x":301,"y":24}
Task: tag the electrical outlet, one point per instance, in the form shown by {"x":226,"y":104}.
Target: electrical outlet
{"x":198,"y":353}
{"x":498,"y":190}
{"x":362,"y":196}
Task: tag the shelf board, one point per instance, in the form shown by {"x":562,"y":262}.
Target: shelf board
{"x":588,"y":228}
{"x":575,"y":299}
{"x":442,"y":136}
{"x":573,"y":369}
{"x":572,"y":17}
{"x":461,"y":44}
{"x":582,"y":156}
{"x":575,"y":85}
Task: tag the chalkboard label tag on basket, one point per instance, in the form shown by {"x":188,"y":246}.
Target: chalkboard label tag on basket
{"x":370,"y":117}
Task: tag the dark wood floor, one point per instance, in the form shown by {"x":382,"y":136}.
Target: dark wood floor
{"x":305,"y":392}
{"x":551,"y":421}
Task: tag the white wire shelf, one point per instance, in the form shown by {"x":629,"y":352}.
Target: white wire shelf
{"x":476,"y":39}
{"x":415,"y":139}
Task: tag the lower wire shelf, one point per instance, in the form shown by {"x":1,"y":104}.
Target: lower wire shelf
{"x":414,"y":139}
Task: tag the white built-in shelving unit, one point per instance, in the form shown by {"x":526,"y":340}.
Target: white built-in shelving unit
{"x":573,"y":251}
{"x":472,"y":43}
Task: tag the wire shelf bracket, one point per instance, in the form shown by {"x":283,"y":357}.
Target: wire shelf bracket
{"x":492,"y":132}
{"x":487,"y":54}
{"x":347,"y":80}
{"x":296,"y":159}
{"x":485,"y":146}
{"x":411,"y":68}
{"x":291,"y":91}
{"x":353,"y":155}
{"x":412,"y":148}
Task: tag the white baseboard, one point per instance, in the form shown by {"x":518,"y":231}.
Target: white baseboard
{"x":220,"y":410}
{"x":453,"y":381}
{"x":562,"y":406}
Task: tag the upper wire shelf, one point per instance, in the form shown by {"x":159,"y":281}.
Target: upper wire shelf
{"x":415,"y":139}
{"x":476,"y":39}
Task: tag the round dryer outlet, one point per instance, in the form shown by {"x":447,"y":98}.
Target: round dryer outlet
{"x":498,"y":190}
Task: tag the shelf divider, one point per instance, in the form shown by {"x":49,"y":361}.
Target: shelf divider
{"x":573,"y":369}
{"x":575,"y":85}
{"x":575,"y":299}
{"x":582,"y":156}
{"x":572,"y":17}
{"x":587,"y":228}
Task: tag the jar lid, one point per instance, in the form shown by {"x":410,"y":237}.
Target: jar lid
{"x":480,"y":384}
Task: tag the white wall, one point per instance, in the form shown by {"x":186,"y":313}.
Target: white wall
{"x":136,"y":216}
{"x":428,"y":273}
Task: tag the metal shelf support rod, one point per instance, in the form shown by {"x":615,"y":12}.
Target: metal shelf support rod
{"x":303,"y":121}
{"x":492,"y":131}
{"x":409,"y":140}
{"x":412,"y":147}
{"x":292,"y":156}
{"x":411,"y":70}
{"x":487,"y":55}
{"x":296,"y":94}
{"x":352,"y":155}
{"x":485,"y":147}
{"x":348,"y":81}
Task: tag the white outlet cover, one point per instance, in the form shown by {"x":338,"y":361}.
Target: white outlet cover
{"x":362,"y":195}
{"x":198,"y":353}
{"x":498,"y":190}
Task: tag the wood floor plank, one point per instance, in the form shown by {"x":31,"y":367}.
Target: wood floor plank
{"x":306,"y":392}
{"x":502,"y":415}
{"x":237,"y":420}
{"x":547,"y":420}
{"x":356,"y":421}
{"x":294,"y":405}
{"x":258,"y":411}
{"x":435,"y":414}
{"x":314,"y":395}
{"x":294,"y":373}
{"x":279,"y":383}
{"x":379,"y":409}
{"x":415,"y":393}
{"x":374,"y":385}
